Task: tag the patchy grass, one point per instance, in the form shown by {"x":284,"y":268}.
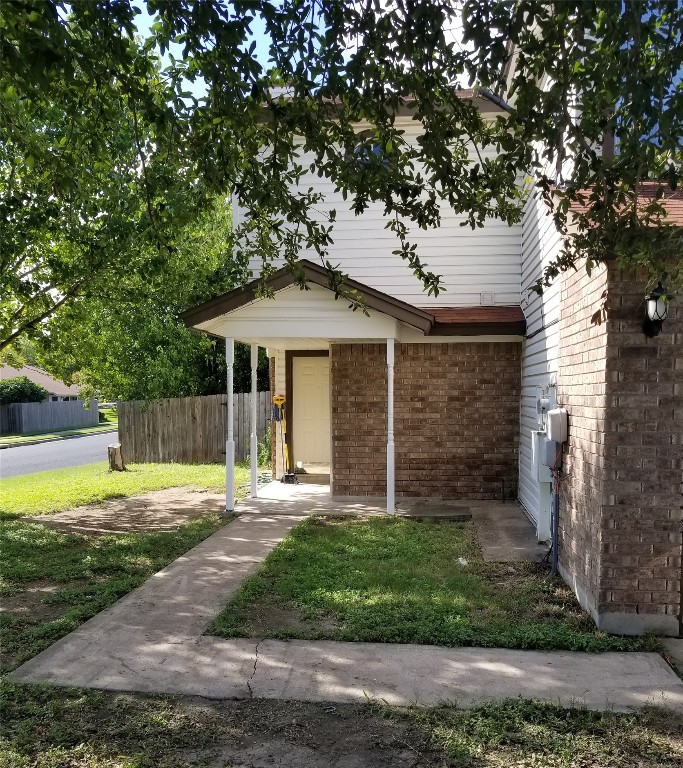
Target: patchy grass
{"x":51,"y":582}
{"x":400,"y":581}
{"x":520,"y":733}
{"x":58,"y":489}
{"x":109,"y":416}
{"x":44,"y":728}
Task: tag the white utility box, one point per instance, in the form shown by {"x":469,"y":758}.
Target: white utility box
{"x":556,"y":424}
{"x":539,"y":471}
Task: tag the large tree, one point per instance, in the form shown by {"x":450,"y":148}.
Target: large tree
{"x":128,"y":343}
{"x":574,"y":73}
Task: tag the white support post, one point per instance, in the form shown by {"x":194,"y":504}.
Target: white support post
{"x":254,"y":417}
{"x":230,"y":442}
{"x":391,"y":478}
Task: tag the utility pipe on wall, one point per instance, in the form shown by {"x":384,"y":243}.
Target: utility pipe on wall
{"x":391,"y":476}
{"x":230,"y":442}
{"x":254,"y":437}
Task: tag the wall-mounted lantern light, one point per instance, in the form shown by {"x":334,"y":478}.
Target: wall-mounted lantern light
{"x":657,"y":308}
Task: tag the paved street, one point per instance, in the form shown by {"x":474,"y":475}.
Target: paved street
{"x":24,"y":459}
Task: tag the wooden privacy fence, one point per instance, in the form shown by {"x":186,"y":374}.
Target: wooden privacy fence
{"x":188,"y":430}
{"x":20,"y":418}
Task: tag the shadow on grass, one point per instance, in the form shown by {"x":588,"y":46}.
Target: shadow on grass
{"x":78,"y":576}
{"x":45,"y":727}
{"x":406,"y":581}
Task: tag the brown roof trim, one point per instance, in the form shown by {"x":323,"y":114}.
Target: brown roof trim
{"x":318,"y":275}
{"x":484,"y":99}
{"x":478,"y":321}
{"x":478,"y":329}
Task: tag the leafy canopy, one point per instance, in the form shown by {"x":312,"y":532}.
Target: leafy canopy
{"x":106,"y":148}
{"x":127,"y":343}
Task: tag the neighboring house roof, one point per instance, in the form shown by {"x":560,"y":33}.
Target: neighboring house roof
{"x":40,"y":377}
{"x":671,"y":201}
{"x":466,"y":321}
{"x":485,"y":100}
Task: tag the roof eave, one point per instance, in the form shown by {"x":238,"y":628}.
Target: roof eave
{"x":317,"y":275}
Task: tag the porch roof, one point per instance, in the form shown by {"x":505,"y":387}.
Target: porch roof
{"x":237,"y":313}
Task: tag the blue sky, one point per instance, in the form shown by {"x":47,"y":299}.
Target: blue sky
{"x":144,"y":21}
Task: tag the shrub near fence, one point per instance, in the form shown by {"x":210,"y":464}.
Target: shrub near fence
{"x":22,"y":418}
{"x":188,"y":430}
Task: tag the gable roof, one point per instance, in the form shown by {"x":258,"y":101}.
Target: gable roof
{"x":313,"y":273}
{"x":432,"y":321}
{"x":40,"y":377}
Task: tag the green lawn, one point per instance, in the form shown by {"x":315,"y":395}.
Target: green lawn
{"x":400,"y":581}
{"x":44,"y":492}
{"x":45,"y":727}
{"x":51,"y":582}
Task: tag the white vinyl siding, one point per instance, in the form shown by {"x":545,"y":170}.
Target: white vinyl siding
{"x":470,"y":261}
{"x":540,"y":243}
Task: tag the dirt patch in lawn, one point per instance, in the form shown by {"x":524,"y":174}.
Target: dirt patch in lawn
{"x":165,"y":510}
{"x":107,"y":730}
{"x":30,"y":600}
{"x":287,"y":621}
{"x":295,"y":734}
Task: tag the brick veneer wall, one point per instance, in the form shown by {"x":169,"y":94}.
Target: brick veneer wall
{"x":456,"y":419}
{"x":621,"y":503}
{"x":581,"y":388}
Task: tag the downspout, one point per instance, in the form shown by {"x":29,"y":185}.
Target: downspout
{"x":555,"y":511}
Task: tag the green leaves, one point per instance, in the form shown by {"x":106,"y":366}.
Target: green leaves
{"x":106,"y":152}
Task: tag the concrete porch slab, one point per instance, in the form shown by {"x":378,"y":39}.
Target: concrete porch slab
{"x":505,"y":533}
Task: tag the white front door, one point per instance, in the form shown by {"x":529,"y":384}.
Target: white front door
{"x":311,"y":409}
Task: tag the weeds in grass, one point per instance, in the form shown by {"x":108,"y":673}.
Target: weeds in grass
{"x":399,"y":581}
{"x":46,"y":727}
{"x":85,"y":576}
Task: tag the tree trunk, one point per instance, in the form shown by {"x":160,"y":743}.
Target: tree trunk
{"x":116,"y":458}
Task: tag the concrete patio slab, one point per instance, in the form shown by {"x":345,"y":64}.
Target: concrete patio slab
{"x":152,"y":641}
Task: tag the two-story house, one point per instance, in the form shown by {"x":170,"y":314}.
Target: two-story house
{"x":436,"y":396}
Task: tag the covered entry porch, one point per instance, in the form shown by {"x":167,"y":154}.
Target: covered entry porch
{"x":398,"y":401}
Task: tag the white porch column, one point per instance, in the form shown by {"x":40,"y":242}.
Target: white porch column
{"x":254,"y":417}
{"x":230,"y":442}
{"x":391,"y":478}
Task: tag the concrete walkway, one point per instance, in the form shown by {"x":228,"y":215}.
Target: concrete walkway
{"x":151,"y":640}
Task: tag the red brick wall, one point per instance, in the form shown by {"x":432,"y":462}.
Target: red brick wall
{"x":358,"y":377}
{"x":456,"y":419}
{"x":621,"y":508}
{"x":581,"y":388}
{"x":643,"y":505}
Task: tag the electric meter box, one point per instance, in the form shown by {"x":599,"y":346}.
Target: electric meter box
{"x":539,"y":470}
{"x":550,"y":453}
{"x":556,"y":425}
